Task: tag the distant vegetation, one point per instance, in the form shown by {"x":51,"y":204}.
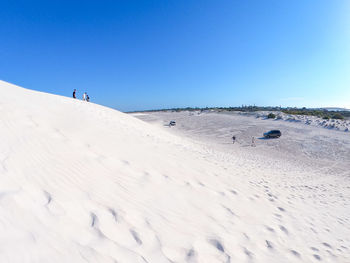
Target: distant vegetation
{"x":321,"y":113}
{"x":242,"y":108}
{"x":271,"y":116}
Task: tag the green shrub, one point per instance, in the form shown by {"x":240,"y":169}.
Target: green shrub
{"x":271,"y":116}
{"x":337,"y":116}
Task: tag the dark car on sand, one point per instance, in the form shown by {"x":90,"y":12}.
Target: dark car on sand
{"x":273,"y":134}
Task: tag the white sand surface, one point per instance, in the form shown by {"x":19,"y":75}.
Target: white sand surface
{"x":84,"y":183}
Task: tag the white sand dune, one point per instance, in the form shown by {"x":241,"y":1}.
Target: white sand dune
{"x":84,"y":183}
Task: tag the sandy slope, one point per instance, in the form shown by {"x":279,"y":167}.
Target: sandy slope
{"x":85,"y":183}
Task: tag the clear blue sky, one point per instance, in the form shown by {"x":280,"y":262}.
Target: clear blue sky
{"x":134,"y":55}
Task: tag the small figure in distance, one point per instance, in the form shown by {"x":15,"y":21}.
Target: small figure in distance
{"x":253,"y":141}
{"x":87,"y":98}
{"x":84,"y":96}
{"x":233,"y":139}
{"x":74,"y":94}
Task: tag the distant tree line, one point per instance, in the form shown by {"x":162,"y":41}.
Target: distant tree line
{"x":242,"y":108}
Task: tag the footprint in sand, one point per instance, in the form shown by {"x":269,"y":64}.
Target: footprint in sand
{"x":269,"y":244}
{"x":317,"y":257}
{"x":94,"y":225}
{"x":270,"y":229}
{"x":229,"y":210}
{"x":234,"y":192}
{"x":295,"y":253}
{"x":93,"y":219}
{"x":200,"y":183}
{"x":278,"y":215}
{"x":217,"y":244}
{"x":284,"y":229}
{"x":327,"y":245}
{"x":114,"y":214}
{"x":136,"y":237}
{"x":48,"y":197}
{"x":191,"y":255}
{"x":248,"y":253}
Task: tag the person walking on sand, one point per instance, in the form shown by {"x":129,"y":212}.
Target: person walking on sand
{"x":87,"y":98}
{"x":84,"y":96}
{"x":233,"y":139}
{"x":253,"y":141}
{"x":74,"y":94}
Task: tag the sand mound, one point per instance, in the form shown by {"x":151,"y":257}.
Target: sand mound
{"x":85,"y":183}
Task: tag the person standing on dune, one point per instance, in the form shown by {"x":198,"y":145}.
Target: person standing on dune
{"x":84,"y":96}
{"x":74,"y":96}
